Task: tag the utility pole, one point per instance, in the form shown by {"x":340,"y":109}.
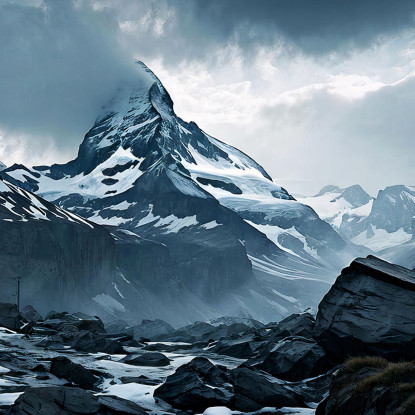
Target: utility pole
{"x":18,"y":294}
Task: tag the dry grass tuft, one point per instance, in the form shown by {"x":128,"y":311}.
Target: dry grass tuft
{"x":393,"y":375}
{"x":356,"y":363}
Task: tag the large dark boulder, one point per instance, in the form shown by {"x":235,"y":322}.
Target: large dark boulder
{"x":9,"y":316}
{"x":369,"y":309}
{"x":153,"y":359}
{"x":296,"y":358}
{"x":62,"y":367}
{"x":196,"y":386}
{"x":255,"y":390}
{"x":62,"y":400}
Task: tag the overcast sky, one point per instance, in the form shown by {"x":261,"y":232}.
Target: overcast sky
{"x":318,"y":92}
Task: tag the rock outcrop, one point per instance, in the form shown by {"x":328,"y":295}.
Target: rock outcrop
{"x":369,"y":309}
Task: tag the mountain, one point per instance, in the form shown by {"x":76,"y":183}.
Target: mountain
{"x":390,"y":220}
{"x":345,"y":208}
{"x":64,"y":259}
{"x":2,"y":166}
{"x":195,"y":220}
{"x":377,"y":223}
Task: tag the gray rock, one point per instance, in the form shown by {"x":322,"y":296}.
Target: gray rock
{"x":153,"y":359}
{"x":30,"y":314}
{"x":196,"y":386}
{"x":62,"y":400}
{"x":55,"y":400}
{"x":255,"y":390}
{"x":369,"y":309}
{"x":298,"y":325}
{"x":62,"y":367}
{"x":239,"y":348}
{"x":296,"y":358}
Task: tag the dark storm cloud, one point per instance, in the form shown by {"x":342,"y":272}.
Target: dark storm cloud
{"x":193,"y":28}
{"x":60,"y":62}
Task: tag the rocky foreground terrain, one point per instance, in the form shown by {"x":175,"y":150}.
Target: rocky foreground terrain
{"x":74,"y":363}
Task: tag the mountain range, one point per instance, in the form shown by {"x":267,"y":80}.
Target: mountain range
{"x":379,"y":223}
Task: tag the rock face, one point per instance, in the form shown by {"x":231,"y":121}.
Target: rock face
{"x":369,"y":309}
{"x":64,"y":260}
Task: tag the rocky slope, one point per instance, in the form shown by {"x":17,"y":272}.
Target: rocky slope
{"x":193,"y":217}
{"x":292,"y":366}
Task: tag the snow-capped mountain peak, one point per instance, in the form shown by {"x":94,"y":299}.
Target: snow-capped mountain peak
{"x":217,"y":213}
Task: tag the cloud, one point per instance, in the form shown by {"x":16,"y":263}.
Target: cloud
{"x":316,"y":91}
{"x":61,"y":61}
{"x":195,"y":29}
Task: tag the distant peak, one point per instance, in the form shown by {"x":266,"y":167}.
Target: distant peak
{"x":328,"y":189}
{"x":2,"y":166}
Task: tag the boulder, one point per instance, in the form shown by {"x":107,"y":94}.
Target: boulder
{"x":153,"y":359}
{"x":62,"y":400}
{"x":296,"y":358}
{"x":30,"y":314}
{"x":239,"y":348}
{"x":298,"y":325}
{"x":152,"y":329}
{"x":255,"y":390}
{"x":55,"y":400}
{"x":196,"y":386}
{"x":9,"y":316}
{"x":88,"y":342}
{"x":62,"y":367}
{"x":369,"y":310}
